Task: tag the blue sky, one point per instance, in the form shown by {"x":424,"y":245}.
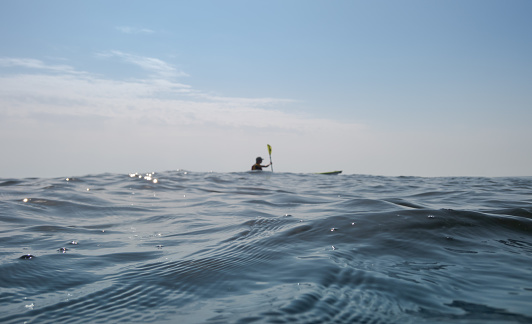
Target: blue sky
{"x":423,"y":88}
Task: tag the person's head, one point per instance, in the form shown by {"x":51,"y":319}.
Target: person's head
{"x":258,"y":160}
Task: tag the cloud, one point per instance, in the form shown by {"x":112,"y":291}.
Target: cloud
{"x":36,"y":64}
{"x":157,"y":98}
{"x":156,"y":66}
{"x":164,"y":103}
{"x":134,"y":30}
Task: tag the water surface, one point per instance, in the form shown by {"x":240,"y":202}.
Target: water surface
{"x":266,"y":247}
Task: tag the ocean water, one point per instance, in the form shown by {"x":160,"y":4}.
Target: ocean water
{"x":189,"y":247}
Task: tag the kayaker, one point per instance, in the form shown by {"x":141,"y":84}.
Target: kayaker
{"x":258,"y":166}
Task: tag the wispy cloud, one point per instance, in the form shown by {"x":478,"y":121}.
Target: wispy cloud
{"x":36,"y":64}
{"x":150,"y":64}
{"x":161,"y":98}
{"x":134,"y":30}
{"x":166,"y":103}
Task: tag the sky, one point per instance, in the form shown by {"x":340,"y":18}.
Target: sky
{"x":393,"y":88}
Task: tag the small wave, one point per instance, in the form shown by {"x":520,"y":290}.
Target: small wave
{"x":10,"y":183}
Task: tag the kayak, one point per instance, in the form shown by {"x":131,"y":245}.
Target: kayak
{"x":330,"y":172}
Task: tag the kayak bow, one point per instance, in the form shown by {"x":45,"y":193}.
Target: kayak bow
{"x":330,"y":172}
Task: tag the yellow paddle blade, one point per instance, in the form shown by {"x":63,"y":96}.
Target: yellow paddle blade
{"x":269,"y":149}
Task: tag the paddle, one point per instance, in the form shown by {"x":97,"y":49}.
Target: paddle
{"x":270,"y":153}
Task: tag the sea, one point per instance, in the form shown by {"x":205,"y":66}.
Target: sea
{"x":260,"y":247}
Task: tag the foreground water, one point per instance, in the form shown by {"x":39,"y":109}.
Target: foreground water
{"x":185,"y":247}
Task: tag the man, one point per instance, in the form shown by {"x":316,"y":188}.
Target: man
{"x":258,"y":166}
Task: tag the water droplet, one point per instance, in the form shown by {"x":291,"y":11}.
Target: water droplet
{"x":155,"y":180}
{"x":27,"y":257}
{"x":25,"y":200}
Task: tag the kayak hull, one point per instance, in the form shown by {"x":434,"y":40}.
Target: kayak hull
{"x":330,"y":172}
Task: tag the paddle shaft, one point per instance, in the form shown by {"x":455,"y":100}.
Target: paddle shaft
{"x":270,"y":154}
